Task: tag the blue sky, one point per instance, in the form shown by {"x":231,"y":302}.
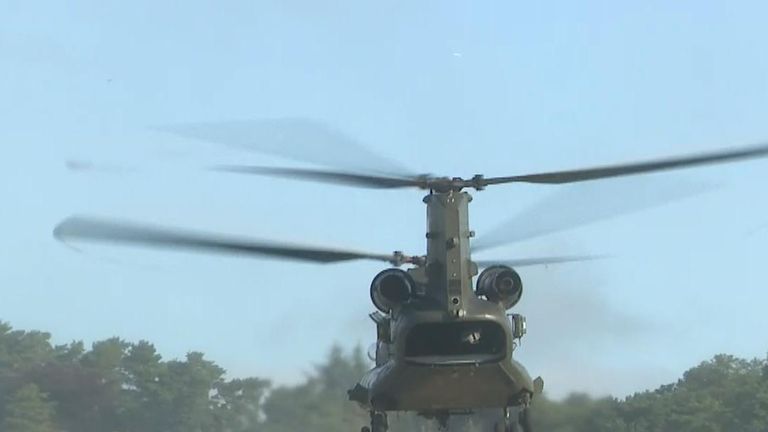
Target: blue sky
{"x":454,"y":87}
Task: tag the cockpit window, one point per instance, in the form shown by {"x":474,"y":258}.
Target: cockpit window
{"x":458,"y":339}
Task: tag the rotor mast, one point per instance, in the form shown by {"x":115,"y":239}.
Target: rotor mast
{"x":449,"y":268}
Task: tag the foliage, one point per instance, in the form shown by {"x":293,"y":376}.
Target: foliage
{"x":27,"y":410}
{"x":119,"y":386}
{"x":725,"y":394}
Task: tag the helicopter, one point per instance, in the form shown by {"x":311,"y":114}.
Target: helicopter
{"x":445,"y":333}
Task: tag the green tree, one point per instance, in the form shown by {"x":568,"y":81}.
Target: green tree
{"x":191,"y":384}
{"x":20,"y":349}
{"x":145,"y":396}
{"x":117,"y":386}
{"x":238,"y":404}
{"x":320,"y":403}
{"x":28,"y":410}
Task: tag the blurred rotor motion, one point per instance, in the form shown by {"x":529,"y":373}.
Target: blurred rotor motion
{"x":428,"y":314}
{"x":302,"y":140}
{"x":79,"y":165}
{"x":349,"y":163}
{"x":100,"y":230}
{"x":353,"y":165}
{"x":479,"y":182}
{"x":526,"y":262}
{"x":89,"y":229}
{"x":576,"y":205}
{"x":84,"y":166}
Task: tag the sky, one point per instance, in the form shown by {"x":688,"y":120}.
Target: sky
{"x":447,"y":87}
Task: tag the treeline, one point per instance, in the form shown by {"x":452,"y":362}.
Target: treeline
{"x":725,"y":394}
{"x":117,"y":386}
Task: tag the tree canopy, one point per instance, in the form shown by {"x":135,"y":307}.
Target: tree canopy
{"x":120,"y":386}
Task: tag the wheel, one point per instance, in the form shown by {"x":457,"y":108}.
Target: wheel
{"x":509,"y":422}
{"x":442,"y":421}
{"x":524,"y":419}
{"x":365,"y":429}
{"x":379,"y":422}
{"x":502,"y":427}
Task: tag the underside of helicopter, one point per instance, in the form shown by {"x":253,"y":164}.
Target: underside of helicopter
{"x":455,"y":387}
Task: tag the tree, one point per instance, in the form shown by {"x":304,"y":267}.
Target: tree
{"x":320,"y":403}
{"x":118,"y":386}
{"x":191,"y":383}
{"x":238,"y":404}
{"x":28,"y":410}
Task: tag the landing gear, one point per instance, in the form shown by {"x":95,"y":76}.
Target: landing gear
{"x":442,"y":421}
{"x":521,"y":422}
{"x":507,"y":422}
{"x":524,"y":419}
{"x":378,"y":422}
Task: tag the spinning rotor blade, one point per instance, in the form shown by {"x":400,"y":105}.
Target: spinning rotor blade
{"x":350,"y":179}
{"x":582,"y":204}
{"x":299,"y":139}
{"x":571,"y":176}
{"x":523,"y":262}
{"x":95,"y":230}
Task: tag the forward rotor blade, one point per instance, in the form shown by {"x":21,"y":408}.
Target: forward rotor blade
{"x":582,"y":204}
{"x":95,"y":230}
{"x":578,"y":175}
{"x":298,"y":139}
{"x":361,"y":180}
{"x":524,"y":262}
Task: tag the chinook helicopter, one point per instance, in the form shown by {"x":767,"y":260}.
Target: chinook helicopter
{"x":444,"y":345}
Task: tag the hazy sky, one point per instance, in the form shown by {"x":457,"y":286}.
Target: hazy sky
{"x":449,"y":87}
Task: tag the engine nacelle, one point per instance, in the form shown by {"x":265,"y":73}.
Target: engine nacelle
{"x":500,"y":284}
{"x":391,"y":289}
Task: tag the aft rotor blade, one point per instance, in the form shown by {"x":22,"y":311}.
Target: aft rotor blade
{"x":524,"y":262}
{"x":578,"y":175}
{"x":586,"y":203}
{"x":299,"y":139}
{"x":96,"y":230}
{"x":350,"y":179}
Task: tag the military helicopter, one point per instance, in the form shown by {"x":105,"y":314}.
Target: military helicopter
{"x":444,"y":345}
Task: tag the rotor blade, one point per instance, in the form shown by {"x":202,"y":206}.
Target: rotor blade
{"x":362,"y":180}
{"x":86,"y":166}
{"x":586,"y":203}
{"x":96,"y":230}
{"x":578,"y":175}
{"x":523,"y":262}
{"x":299,"y":139}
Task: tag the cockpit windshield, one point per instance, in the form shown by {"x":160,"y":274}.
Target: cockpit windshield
{"x":456,"y":342}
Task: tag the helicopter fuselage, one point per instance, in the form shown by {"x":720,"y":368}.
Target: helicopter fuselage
{"x":445,"y":349}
